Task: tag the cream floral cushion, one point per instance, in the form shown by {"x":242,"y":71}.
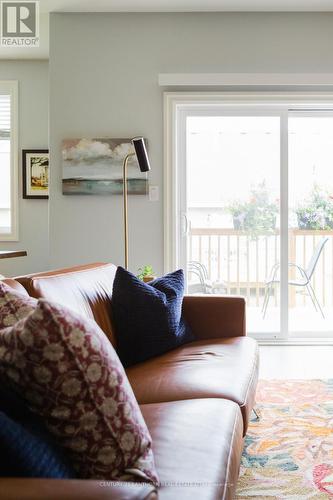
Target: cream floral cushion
{"x":14,"y":305}
{"x":70,"y":374}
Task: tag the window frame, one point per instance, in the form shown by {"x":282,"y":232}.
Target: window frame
{"x":179,"y":105}
{"x":176,"y":103}
{"x":10,"y":87}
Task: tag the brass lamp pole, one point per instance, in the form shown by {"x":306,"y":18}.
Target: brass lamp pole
{"x":125,"y":206}
{"x":144,"y":165}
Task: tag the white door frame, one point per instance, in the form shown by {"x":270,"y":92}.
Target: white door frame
{"x":179,"y":105}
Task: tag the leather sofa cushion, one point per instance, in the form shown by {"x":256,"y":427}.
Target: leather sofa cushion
{"x":86,"y":290}
{"x":216,"y":368}
{"x":197,"y":446}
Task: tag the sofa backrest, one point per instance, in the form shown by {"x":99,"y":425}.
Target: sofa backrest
{"x":15,"y":284}
{"x":85,"y":289}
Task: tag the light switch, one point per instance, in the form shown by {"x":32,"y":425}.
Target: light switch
{"x":153,"y":193}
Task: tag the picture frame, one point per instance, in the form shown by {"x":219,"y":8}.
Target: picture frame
{"x":94,"y":166}
{"x":35,"y":173}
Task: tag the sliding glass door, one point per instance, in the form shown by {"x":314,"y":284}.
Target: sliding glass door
{"x":233,"y":209}
{"x":255,"y":199}
{"x":310,"y":223}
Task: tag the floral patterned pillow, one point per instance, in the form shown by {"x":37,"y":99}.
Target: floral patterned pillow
{"x":14,"y":305}
{"x":70,"y":375}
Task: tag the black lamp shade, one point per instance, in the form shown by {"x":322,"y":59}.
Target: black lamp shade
{"x":141,"y":153}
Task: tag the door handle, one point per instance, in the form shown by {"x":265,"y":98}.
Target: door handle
{"x":186,"y":224}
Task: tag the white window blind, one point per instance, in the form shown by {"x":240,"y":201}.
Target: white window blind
{"x":5,"y":156}
{"x":8,"y":163}
{"x":4,"y":116}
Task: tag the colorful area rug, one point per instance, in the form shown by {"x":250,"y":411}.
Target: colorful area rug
{"x":288,"y":452}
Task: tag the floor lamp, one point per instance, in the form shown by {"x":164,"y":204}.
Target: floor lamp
{"x":143,"y":160}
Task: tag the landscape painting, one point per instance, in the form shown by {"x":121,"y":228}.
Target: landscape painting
{"x":95,"y":167}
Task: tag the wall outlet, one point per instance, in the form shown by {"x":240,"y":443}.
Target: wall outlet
{"x":153,"y":193}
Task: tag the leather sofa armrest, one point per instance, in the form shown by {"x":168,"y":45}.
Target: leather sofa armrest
{"x":73,"y":489}
{"x":215,"y":316}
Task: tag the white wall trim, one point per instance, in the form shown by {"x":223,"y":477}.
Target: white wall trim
{"x":11,"y":87}
{"x":244,"y":79}
{"x":170,"y":254}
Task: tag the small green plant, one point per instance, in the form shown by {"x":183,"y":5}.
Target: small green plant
{"x":316,"y":211}
{"x":257,"y":215}
{"x":145,"y":271}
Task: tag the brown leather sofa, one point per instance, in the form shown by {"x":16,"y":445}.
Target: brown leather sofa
{"x":196,"y":399}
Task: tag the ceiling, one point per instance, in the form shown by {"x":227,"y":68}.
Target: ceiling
{"x":185,"y":5}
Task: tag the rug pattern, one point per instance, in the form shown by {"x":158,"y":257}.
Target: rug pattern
{"x":288,"y":452}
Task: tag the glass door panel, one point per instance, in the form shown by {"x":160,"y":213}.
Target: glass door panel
{"x":310,"y":224}
{"x":233,"y":208}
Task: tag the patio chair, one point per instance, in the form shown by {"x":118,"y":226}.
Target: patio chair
{"x":204,"y":285}
{"x":304,"y":279}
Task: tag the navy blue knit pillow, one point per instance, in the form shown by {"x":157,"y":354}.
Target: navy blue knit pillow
{"x":148,"y":316}
{"x":26,"y":447}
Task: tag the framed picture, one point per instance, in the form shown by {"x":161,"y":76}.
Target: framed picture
{"x":95,"y":167}
{"x":35,"y":173}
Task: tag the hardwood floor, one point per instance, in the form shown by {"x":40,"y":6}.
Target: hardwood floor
{"x":296,"y":362}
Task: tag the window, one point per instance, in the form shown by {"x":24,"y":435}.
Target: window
{"x":8,"y":161}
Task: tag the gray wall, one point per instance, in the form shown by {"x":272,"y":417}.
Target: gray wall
{"x":32,"y":79}
{"x":103,"y":83}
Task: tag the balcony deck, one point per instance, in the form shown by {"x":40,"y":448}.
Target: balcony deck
{"x":243,"y":263}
